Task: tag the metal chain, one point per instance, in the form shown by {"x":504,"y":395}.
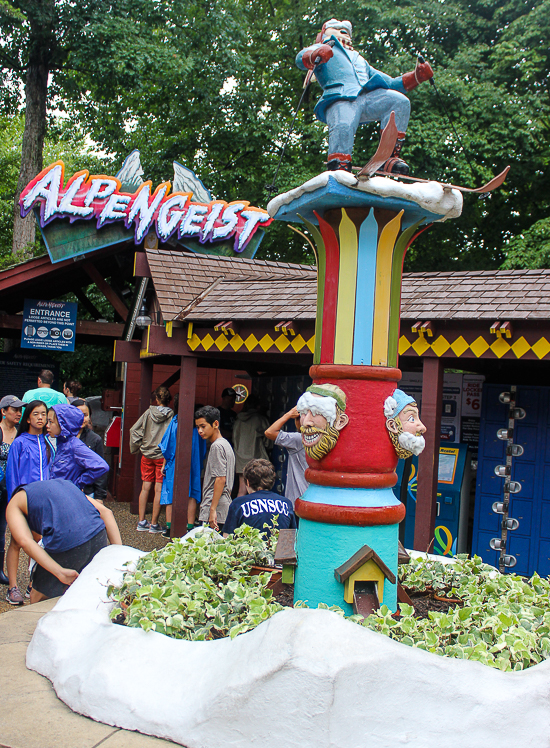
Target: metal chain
{"x":507,"y":479}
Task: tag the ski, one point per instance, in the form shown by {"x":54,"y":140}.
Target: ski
{"x":491,"y":185}
{"x":385,"y":148}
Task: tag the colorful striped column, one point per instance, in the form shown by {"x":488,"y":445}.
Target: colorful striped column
{"x":361,"y":254}
{"x":350,"y":502}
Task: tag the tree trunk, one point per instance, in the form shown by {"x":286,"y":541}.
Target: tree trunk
{"x":36,"y":90}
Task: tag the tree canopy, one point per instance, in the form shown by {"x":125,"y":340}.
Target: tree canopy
{"x":213,"y":84}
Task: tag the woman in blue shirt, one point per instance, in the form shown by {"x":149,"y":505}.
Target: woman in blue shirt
{"x":73,"y":528}
{"x":29,"y":455}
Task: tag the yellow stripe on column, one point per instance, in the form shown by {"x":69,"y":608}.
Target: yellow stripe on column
{"x":345,"y":310}
{"x":382,"y":294}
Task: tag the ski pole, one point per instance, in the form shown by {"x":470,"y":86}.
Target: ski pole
{"x":440,"y":100}
{"x":270,"y":188}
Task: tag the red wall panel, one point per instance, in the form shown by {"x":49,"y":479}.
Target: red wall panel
{"x":210,"y":384}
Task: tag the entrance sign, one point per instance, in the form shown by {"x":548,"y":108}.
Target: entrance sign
{"x":101,"y":199}
{"x":49,"y":325}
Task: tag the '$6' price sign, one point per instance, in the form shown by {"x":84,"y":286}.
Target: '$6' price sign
{"x":473,"y":402}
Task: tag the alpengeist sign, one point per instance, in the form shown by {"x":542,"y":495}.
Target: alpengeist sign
{"x":107,"y":211}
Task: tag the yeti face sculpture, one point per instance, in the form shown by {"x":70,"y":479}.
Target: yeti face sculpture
{"x":322,"y":417}
{"x":404,"y":425}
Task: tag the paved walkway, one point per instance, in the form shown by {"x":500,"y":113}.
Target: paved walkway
{"x":31,"y":715}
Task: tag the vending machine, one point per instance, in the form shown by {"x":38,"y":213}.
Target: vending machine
{"x":453,"y":499}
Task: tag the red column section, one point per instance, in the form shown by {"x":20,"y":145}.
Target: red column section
{"x":330,"y":302}
{"x":364,"y":456}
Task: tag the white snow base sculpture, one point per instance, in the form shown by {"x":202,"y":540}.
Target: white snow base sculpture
{"x":305,"y":678}
{"x":434,"y":197}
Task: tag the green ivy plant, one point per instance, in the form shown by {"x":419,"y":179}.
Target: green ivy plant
{"x":199,"y":589}
{"x":202,"y":589}
{"x":503,"y":620}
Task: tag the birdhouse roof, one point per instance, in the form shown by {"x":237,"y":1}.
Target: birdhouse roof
{"x":363,"y":555}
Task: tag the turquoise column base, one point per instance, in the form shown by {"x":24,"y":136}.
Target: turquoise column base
{"x":321,"y":548}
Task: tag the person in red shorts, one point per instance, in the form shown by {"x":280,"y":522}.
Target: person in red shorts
{"x":145,"y":437}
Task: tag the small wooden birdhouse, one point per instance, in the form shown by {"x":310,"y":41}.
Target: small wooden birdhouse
{"x":364,"y":566}
{"x":285,"y":554}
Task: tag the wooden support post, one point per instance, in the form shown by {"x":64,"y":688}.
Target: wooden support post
{"x":172,"y":379}
{"x":182,"y":468}
{"x":145,"y":387}
{"x":428,"y":461}
{"x":93,"y":273}
{"x":86,"y":303}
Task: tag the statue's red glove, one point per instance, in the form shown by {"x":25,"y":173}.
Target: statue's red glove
{"x":313,"y":57}
{"x":422,"y":72}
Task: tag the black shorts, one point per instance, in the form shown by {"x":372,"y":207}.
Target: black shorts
{"x":77,"y":558}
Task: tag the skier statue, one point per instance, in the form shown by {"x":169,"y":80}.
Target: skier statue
{"x":354,"y":93}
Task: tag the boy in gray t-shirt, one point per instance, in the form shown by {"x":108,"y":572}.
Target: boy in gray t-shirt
{"x":220,"y":469}
{"x":296,"y":483}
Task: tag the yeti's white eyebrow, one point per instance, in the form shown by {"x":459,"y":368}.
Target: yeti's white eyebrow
{"x":318,"y":406}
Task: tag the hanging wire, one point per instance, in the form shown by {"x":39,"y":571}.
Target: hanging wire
{"x":475,"y":174}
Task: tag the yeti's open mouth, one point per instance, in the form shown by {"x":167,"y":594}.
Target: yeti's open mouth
{"x":310,"y":440}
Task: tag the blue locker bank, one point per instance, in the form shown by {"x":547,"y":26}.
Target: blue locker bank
{"x":530,"y":543}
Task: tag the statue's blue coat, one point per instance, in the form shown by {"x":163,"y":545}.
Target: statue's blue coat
{"x":345,"y":76}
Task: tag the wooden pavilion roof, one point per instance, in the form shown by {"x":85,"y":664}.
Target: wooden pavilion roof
{"x":256,"y":289}
{"x":219,"y":306}
{"x":478,"y":294}
{"x":179,"y":277}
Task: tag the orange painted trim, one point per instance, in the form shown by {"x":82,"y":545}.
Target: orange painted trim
{"x":344,"y":371}
{"x":350,"y":515}
{"x":351,"y":480}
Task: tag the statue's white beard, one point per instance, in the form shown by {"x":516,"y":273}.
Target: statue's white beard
{"x":412,"y":443}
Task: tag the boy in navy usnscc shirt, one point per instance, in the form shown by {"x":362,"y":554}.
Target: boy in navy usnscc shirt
{"x":261,"y":505}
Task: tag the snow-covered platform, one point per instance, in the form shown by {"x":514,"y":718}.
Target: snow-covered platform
{"x":421,"y":201}
{"x":305,"y":678}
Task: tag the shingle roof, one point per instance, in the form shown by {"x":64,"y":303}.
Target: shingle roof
{"x":257,"y":289}
{"x":479,"y":294}
{"x":180,"y":277}
{"x":265,"y":298}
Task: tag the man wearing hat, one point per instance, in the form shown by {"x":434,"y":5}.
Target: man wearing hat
{"x":355,"y":93}
{"x":11,"y":409}
{"x":404,"y":425}
{"x":322,"y":417}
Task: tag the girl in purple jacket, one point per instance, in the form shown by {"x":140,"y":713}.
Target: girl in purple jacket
{"x":72,"y":460}
{"x":27,"y":462}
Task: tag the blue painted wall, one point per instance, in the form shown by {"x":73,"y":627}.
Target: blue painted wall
{"x":323,"y":546}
